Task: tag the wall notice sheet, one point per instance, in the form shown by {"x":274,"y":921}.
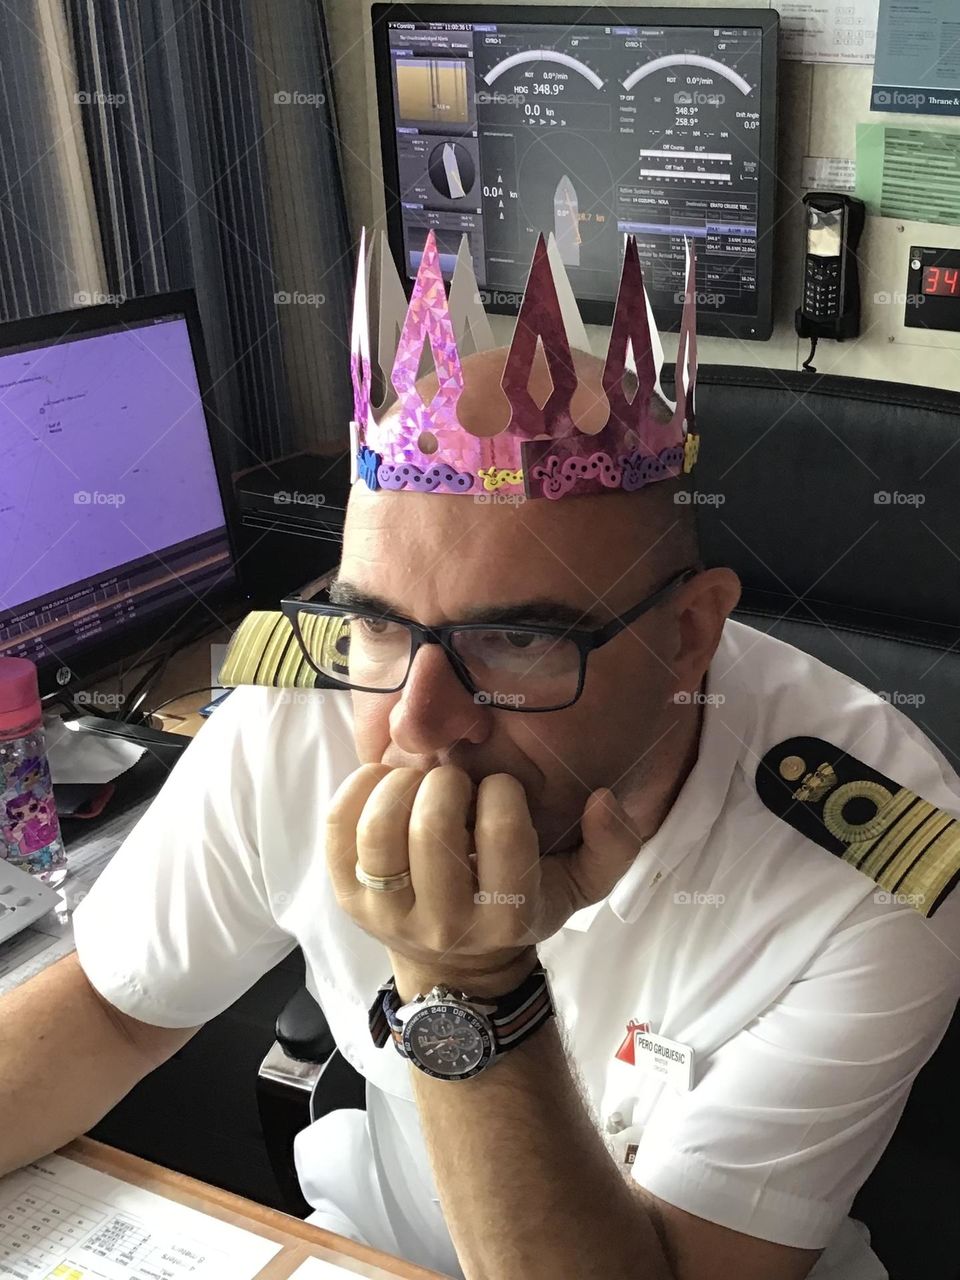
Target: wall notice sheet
{"x":60,"y":1220}
{"x":918,"y":58}
{"x":842,"y":31}
{"x":911,"y":173}
{"x":828,"y":173}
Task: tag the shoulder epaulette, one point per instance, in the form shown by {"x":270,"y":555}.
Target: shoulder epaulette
{"x":909,"y":847}
{"x":264,"y":650}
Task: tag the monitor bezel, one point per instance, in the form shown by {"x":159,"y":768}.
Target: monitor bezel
{"x":758,"y":328}
{"x":178,"y":624}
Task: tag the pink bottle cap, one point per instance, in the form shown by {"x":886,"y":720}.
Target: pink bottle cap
{"x":19,"y":693}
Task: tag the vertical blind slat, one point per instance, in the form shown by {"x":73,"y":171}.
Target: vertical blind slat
{"x":180,"y":171}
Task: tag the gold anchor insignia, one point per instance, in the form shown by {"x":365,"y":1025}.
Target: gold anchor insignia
{"x":816,"y":784}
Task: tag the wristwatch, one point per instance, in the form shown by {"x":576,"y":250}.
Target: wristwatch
{"x":450,"y":1035}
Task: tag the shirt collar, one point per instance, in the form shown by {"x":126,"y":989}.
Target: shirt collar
{"x":695,"y":810}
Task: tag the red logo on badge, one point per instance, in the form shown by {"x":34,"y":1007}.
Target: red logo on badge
{"x":625,"y":1052}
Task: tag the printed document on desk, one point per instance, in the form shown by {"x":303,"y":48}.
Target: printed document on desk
{"x":60,"y":1220}
{"x":318,"y":1269}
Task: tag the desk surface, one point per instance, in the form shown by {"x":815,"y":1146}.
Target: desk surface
{"x":300,"y":1240}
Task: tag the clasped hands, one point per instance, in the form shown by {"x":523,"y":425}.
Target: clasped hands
{"x":481,"y":897}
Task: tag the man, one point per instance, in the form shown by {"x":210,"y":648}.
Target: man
{"x":738,"y":1013}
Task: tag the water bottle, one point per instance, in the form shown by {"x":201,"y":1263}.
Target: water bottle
{"x":29,"y":829}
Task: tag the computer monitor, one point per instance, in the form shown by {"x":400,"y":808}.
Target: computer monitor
{"x":499,"y":122}
{"x":114,"y":536}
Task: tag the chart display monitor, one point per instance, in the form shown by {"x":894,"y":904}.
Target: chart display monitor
{"x":113,"y":529}
{"x":659,"y":123}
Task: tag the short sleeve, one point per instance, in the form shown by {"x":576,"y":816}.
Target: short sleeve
{"x":179,"y":924}
{"x":792,"y":1113}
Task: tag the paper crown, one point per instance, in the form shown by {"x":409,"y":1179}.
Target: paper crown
{"x":541,"y":450}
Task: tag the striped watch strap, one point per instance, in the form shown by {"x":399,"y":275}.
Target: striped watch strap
{"x":514,"y":1016}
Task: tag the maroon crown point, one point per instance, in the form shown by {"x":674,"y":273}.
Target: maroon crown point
{"x":630,"y":326}
{"x":540,"y":316}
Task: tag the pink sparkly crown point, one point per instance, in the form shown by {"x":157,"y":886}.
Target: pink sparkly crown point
{"x":540,"y":451}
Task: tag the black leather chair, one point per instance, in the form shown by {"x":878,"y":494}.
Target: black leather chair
{"x":836,"y":501}
{"x":303,"y":1076}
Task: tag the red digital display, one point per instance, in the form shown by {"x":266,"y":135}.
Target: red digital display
{"x":942,"y":282}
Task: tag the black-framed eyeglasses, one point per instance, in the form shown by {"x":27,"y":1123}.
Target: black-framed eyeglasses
{"x":516,"y":667}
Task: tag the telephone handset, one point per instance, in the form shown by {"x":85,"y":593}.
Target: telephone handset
{"x":831,"y":279}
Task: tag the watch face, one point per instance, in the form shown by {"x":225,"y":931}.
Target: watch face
{"x":448,"y":1041}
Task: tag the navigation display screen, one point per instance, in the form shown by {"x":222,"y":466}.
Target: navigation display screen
{"x":502,"y":129}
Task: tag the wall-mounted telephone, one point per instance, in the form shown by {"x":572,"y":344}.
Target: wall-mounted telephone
{"x":831,"y":280}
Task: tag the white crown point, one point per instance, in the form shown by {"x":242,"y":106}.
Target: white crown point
{"x":467,"y":315}
{"x":572,"y":320}
{"x":354,"y":451}
{"x":360,"y":325}
{"x":391,"y":313}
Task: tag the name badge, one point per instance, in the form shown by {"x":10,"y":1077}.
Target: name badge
{"x":657,"y":1055}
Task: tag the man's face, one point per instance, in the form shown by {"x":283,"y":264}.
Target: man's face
{"x":437,"y":558}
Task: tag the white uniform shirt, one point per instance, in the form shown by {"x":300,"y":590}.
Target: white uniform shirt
{"x":810,"y":1001}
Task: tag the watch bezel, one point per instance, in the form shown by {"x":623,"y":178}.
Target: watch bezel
{"x":463,"y":1013}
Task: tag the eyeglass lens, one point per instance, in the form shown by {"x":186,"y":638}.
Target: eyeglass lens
{"x":512,"y":668}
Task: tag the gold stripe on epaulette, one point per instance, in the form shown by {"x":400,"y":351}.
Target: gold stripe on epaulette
{"x":264,"y":651}
{"x":918,"y":853}
{"x":237,"y":660}
{"x":281,"y":663}
{"x":901,"y":817}
{"x":923,"y":829}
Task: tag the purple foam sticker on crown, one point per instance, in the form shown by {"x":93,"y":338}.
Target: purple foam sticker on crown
{"x":550,"y":474}
{"x":409,"y":476}
{"x":640,"y":469}
{"x":571,"y":475}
